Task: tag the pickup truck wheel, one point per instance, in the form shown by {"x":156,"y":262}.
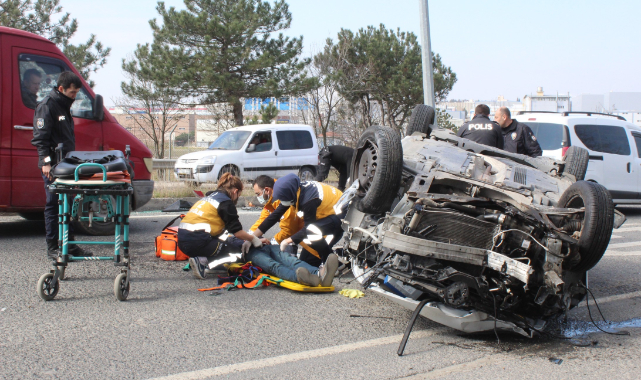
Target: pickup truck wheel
{"x":378,"y":165}
{"x":596,"y":223}
{"x":421,"y":119}
{"x":576,"y":162}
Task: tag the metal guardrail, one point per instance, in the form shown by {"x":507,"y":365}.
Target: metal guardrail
{"x":164,"y":163}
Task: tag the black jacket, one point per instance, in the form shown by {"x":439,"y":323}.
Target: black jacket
{"x":519,"y":138}
{"x":52,"y":125}
{"x":483,"y":131}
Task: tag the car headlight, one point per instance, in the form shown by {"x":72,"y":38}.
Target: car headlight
{"x":207,"y":160}
{"x":149,"y":163}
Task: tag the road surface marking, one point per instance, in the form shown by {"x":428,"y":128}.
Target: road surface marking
{"x":624,"y":245}
{"x":628,"y":229}
{"x":175,"y":214}
{"x":464,"y":367}
{"x":616,"y":297}
{"x":622,"y":253}
{"x":616,"y":237}
{"x":298,"y":356}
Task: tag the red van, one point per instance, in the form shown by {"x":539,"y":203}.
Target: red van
{"x":21,"y":185}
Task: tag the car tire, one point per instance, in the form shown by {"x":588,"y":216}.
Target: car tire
{"x":306,"y":174}
{"x":597,"y":223}
{"x":378,"y":165}
{"x":576,"y":162}
{"x":421,"y":119}
{"x":229,"y":169}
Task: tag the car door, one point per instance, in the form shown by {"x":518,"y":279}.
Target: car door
{"x":611,"y":151}
{"x":259,"y":156}
{"x":296,"y":149}
{"x":27,"y":64}
{"x":637,"y":160}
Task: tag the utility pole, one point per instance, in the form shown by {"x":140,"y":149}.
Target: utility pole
{"x":426,"y":48}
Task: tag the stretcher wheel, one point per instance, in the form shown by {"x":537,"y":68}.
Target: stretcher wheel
{"x":121,"y":287}
{"x":45,"y":290}
{"x":61,"y":273}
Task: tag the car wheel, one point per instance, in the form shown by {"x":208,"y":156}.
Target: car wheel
{"x":97,"y":228}
{"x":378,"y":165}
{"x":229,"y":169}
{"x":306,"y":174}
{"x":421,"y":119}
{"x":576,"y":162}
{"x":596,"y":223}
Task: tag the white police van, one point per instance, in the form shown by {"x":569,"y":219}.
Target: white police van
{"x":253,"y":150}
{"x":614,"y":147}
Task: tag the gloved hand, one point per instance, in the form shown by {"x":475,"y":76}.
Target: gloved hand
{"x":245,"y":247}
{"x":256,"y":242}
{"x":285,"y":243}
{"x":351,"y":293}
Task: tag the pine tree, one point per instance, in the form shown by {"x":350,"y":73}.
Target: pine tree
{"x":39,"y":18}
{"x":225,"y":51}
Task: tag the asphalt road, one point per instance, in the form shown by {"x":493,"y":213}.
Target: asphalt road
{"x":168,"y":329}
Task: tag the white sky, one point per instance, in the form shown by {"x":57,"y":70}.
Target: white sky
{"x":497,"y":47}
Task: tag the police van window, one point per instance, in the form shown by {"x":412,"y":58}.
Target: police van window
{"x":604,"y":138}
{"x":292,"y":140}
{"x":549,"y":135}
{"x":39,"y":75}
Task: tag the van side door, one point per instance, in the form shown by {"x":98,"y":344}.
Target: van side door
{"x":5,"y":131}
{"x":637,"y":141}
{"x":34,"y":74}
{"x":296,"y":149}
{"x":610,"y":145}
{"x":259,"y":156}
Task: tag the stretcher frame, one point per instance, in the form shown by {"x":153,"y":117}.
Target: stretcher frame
{"x":70,"y":190}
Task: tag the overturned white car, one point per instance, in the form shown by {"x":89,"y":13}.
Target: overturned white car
{"x":471,"y":236}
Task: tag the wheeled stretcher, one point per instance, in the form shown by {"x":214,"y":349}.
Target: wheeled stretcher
{"x":105,"y":181}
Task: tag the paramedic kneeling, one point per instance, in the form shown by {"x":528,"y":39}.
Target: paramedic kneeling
{"x":200,"y":234}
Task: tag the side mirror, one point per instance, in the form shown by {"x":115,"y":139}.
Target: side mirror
{"x":98,"y":108}
{"x":251,"y":147}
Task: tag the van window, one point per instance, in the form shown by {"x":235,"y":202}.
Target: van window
{"x":39,"y":75}
{"x":549,"y":135}
{"x":291,"y":140}
{"x":260,"y":142}
{"x":604,"y":138}
{"x":230,"y":140}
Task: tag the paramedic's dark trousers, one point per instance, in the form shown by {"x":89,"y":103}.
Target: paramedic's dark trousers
{"x":316,"y":253}
{"x":51,"y":212}
{"x":202,"y":244}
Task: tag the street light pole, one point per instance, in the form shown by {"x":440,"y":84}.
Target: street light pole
{"x":428,"y":74}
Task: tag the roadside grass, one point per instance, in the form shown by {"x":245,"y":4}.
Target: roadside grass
{"x":167,"y":186}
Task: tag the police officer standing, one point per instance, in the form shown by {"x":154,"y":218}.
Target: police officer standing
{"x":481,"y":129}
{"x":53,"y":124}
{"x":517,"y":137}
{"x":338,"y":156}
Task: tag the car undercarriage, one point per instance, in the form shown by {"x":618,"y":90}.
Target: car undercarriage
{"x":471,"y":236}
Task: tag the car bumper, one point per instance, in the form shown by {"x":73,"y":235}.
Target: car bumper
{"x":197,"y":173}
{"x":143,"y":191}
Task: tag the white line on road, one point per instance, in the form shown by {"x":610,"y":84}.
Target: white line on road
{"x":616,"y":237}
{"x":616,"y":297}
{"x":622,"y":253}
{"x":458,"y":368}
{"x":167,"y":214}
{"x":627,"y":229}
{"x":624,"y":245}
{"x":298,"y":356}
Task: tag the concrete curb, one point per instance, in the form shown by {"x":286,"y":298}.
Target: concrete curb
{"x":156,"y":204}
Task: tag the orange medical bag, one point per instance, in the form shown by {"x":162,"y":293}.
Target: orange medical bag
{"x":167,"y":243}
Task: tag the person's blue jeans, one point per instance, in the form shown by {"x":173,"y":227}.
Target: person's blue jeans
{"x":280,"y":264}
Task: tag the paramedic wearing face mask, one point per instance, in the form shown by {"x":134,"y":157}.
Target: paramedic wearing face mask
{"x":200,"y":234}
{"x":289,"y":223}
{"x":314,"y":202}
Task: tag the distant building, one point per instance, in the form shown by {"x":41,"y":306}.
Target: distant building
{"x":549,"y":103}
{"x":611,"y":102}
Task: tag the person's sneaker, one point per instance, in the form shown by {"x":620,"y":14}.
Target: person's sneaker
{"x":75,"y":250}
{"x":197,"y":267}
{"x":304,"y":277}
{"x":328,"y":271}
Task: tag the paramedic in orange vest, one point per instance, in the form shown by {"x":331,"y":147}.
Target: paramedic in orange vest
{"x":289,"y":223}
{"x":200,"y":234}
{"x":314,"y":202}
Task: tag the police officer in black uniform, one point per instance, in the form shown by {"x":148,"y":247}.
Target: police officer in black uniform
{"x":517,"y":137}
{"x":338,"y":156}
{"x":53,"y":124}
{"x":481,"y":129}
